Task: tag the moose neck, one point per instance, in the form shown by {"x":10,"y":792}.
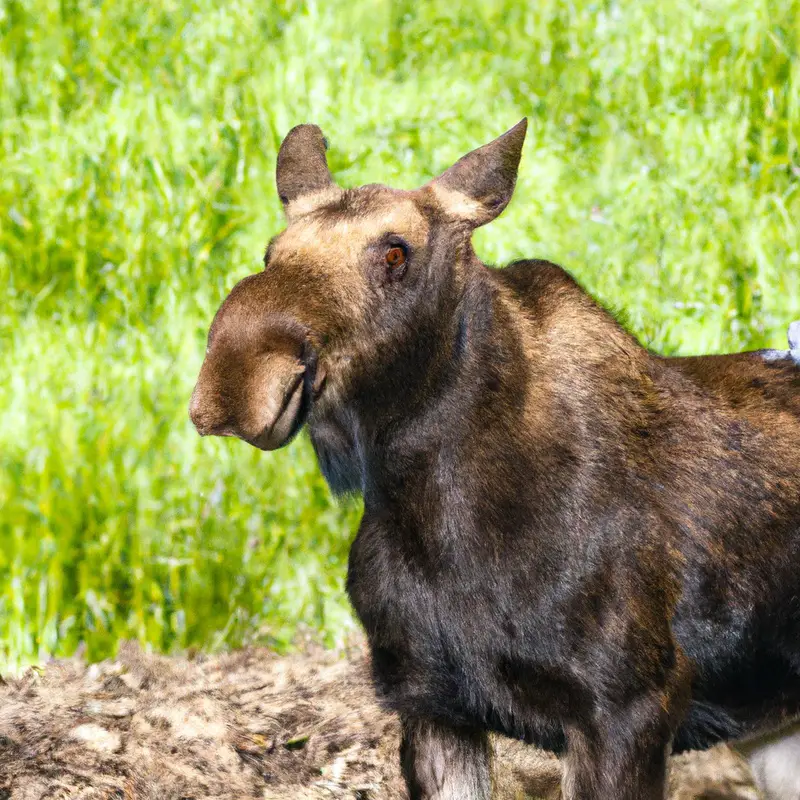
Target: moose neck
{"x":481,"y":383}
{"x":398,"y":387}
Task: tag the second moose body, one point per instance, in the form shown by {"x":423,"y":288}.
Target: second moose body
{"x":566,"y":538}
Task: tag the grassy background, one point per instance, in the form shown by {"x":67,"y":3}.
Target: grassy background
{"x":137,"y":149}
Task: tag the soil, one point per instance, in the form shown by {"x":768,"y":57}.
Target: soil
{"x":248,"y":724}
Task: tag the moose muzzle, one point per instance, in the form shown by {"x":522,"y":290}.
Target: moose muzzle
{"x":255,"y":383}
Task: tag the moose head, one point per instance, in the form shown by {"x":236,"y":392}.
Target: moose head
{"x":359,"y":276}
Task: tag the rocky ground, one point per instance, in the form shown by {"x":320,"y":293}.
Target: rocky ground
{"x":247,"y":724}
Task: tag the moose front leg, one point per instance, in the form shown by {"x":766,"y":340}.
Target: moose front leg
{"x":444,"y":763}
{"x":620,"y":759}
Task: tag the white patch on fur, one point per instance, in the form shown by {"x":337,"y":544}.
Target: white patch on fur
{"x":794,"y":335}
{"x":794,"y":342}
{"x":793,"y":353}
{"x":775,"y":763}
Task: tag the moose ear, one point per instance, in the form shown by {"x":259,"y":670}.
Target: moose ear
{"x":479,"y":186}
{"x":302,"y":173}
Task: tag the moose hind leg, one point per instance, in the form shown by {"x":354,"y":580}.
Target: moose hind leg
{"x":622,"y":755}
{"x":595,"y":773}
{"x":444,"y":763}
{"x":775,"y":762}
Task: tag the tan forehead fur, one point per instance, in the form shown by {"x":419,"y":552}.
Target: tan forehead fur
{"x":348,"y":224}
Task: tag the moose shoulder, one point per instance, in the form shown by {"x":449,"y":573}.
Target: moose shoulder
{"x":566,"y":538}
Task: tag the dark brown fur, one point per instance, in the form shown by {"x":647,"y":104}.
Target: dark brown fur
{"x":566,"y":539}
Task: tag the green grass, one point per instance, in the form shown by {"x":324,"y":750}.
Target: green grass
{"x":137,"y":149}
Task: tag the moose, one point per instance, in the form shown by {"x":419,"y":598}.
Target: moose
{"x":567,"y":538}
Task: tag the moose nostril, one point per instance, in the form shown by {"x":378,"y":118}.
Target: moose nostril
{"x":205,"y":423}
{"x":206,"y":428}
{"x":209,"y":419}
{"x":196,"y":415}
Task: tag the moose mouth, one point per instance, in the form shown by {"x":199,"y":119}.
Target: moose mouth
{"x":305,"y":388}
{"x":291,"y":416}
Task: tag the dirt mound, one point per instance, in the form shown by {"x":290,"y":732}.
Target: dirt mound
{"x":243,"y":725}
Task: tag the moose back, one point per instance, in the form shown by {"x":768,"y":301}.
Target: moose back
{"x":566,"y":538}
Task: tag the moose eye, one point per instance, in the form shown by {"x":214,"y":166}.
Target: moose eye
{"x":395,"y":257}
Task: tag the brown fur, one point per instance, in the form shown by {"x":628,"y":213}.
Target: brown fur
{"x":567,"y":539}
